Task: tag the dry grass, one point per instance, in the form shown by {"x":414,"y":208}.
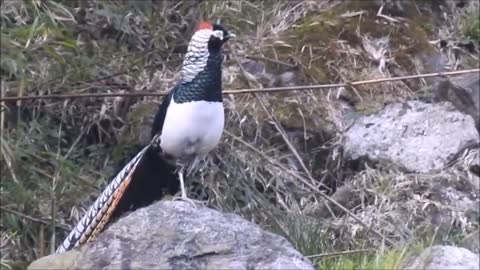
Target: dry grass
{"x":58,"y":155}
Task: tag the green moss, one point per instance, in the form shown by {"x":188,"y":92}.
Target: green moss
{"x":315,"y":38}
{"x":472,"y":28}
{"x":394,"y":258}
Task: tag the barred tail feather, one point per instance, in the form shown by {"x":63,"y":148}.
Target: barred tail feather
{"x":99,"y":213}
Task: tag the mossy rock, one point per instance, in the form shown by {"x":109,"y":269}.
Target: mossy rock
{"x":314,"y":43}
{"x":472,"y":28}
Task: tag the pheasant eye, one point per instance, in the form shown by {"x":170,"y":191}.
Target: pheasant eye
{"x":218,"y":34}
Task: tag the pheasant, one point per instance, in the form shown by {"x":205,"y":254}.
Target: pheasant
{"x":188,"y":125}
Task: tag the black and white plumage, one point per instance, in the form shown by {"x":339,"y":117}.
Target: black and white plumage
{"x":188,"y":125}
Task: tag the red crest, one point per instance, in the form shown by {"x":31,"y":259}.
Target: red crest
{"x":204,"y":25}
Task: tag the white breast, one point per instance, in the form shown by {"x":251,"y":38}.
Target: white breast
{"x":192,"y":128}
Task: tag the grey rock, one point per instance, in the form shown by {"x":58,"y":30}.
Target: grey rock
{"x":176,"y":235}
{"x":268,"y":77}
{"x":256,"y":68}
{"x":287,"y":78}
{"x":56,"y":261}
{"x":445,"y":257}
{"x":463,"y":92}
{"x":472,"y":242}
{"x":414,"y":136}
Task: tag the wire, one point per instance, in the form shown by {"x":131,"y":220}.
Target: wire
{"x":246,"y":91}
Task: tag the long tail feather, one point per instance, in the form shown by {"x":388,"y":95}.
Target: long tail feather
{"x":99,"y":213}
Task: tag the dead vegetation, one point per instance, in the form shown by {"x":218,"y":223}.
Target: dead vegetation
{"x":278,"y":152}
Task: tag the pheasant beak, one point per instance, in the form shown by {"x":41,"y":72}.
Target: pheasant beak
{"x":230,"y":35}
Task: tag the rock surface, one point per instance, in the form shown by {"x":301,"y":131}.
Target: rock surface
{"x":56,"y":261}
{"x":415,"y":136}
{"x":463,"y":92}
{"x":446,"y":257}
{"x":472,"y":242}
{"x":175,"y":235}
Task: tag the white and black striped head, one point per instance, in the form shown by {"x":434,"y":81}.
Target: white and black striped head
{"x":217,"y":35}
{"x":206,"y":42}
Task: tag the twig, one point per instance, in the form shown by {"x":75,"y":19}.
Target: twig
{"x":388,"y":18}
{"x":353,"y":14}
{"x":340,"y":253}
{"x":8,"y":161}
{"x":41,"y":241}
{"x":74,"y":144}
{"x":3,"y":108}
{"x":34,"y":219}
{"x":249,"y":90}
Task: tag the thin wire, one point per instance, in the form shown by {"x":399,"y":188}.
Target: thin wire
{"x":246,"y":91}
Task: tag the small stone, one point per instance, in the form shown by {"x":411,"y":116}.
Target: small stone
{"x":446,"y":257}
{"x":414,"y":136}
{"x":463,"y":92}
{"x":287,"y":78}
{"x":64,"y":260}
{"x":472,"y":242}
